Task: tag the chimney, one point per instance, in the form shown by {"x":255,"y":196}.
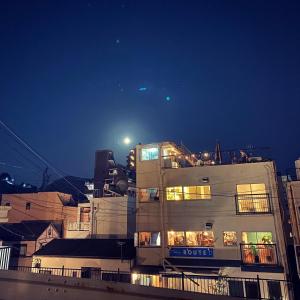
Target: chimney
{"x":297,"y":166}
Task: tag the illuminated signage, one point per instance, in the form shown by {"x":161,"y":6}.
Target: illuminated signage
{"x":191,"y":252}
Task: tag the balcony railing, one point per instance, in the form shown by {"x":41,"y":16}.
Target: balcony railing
{"x":79,"y":226}
{"x":259,"y":254}
{"x":253,"y":204}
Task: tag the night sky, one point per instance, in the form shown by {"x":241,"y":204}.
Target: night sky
{"x":76,"y":76}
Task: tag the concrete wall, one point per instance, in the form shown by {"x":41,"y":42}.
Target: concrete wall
{"x":29,"y":286}
{"x":293,"y":192}
{"x":78,"y":263}
{"x":113,"y":217}
{"x":4,"y":213}
{"x":43,"y":206}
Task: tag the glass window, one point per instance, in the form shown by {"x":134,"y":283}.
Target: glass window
{"x":230,"y":238}
{"x":206,"y":238}
{"x":191,"y":238}
{"x":23,"y":250}
{"x":150,"y":194}
{"x":174,"y":193}
{"x":149,"y":239}
{"x":197,"y":192}
{"x":252,"y":198}
{"x":254,"y":188}
{"x":28,"y":205}
{"x":176,"y":238}
{"x":149,"y":153}
{"x":261,"y":237}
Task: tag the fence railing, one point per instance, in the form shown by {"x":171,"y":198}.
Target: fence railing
{"x":79,"y":226}
{"x":259,"y":254}
{"x":253,"y":204}
{"x":249,"y":288}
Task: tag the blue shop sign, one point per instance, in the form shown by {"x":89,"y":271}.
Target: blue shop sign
{"x":191,"y":252}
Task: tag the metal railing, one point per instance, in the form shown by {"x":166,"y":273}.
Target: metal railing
{"x":259,"y":254}
{"x":253,"y":204}
{"x":253,"y":288}
{"x":79,"y":226}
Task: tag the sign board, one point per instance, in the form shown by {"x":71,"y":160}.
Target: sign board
{"x":191,"y":252}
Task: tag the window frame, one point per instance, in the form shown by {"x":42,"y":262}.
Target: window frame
{"x":149,"y":246}
{"x":148,"y":148}
{"x":150,"y":200}
{"x":183,"y":193}
{"x":259,"y":203}
{"x":185,"y":239}
{"x":236,"y":239}
{"x":28,"y":206}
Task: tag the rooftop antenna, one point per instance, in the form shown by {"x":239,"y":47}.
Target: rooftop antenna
{"x":46,"y":179}
{"x":218,"y":155}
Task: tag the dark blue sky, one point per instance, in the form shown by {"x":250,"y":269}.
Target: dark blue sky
{"x":70,"y":73}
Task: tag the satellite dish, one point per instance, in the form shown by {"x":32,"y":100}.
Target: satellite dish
{"x":122,"y":186}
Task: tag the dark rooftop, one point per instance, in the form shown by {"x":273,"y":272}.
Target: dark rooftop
{"x":24,"y":231}
{"x":96,"y":248}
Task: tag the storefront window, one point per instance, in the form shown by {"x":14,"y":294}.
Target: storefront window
{"x":197,"y":192}
{"x":176,"y":238}
{"x":191,"y":238}
{"x":174,"y":193}
{"x":230,"y":238}
{"x":149,"y":153}
{"x":149,"y":239}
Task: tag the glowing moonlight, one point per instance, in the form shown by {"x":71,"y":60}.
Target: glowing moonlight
{"x":126,"y":140}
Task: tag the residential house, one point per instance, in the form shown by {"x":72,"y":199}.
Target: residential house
{"x":25,"y":238}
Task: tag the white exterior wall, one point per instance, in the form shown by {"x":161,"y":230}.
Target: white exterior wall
{"x":113,"y":217}
{"x":220,"y":210}
{"x":78,"y":263}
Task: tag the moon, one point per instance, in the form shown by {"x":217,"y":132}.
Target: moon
{"x":126,"y":140}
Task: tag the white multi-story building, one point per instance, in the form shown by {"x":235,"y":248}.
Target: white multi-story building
{"x":207,"y":218}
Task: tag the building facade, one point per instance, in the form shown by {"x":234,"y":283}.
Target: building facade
{"x":207,"y":218}
{"x":293,"y":195}
{"x":53,"y":206}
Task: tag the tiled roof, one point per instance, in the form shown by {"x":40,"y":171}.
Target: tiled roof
{"x":24,"y":231}
{"x":94,"y":248}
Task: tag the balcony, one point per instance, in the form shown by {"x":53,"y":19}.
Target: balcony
{"x":79,"y":226}
{"x":259,"y":254}
{"x":253,"y":204}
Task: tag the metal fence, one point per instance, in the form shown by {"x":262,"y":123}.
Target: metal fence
{"x":248,"y":288}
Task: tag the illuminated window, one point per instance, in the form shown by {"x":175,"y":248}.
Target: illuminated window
{"x":176,"y":238}
{"x":149,"y":153}
{"x":150,"y":194}
{"x":258,"y":248}
{"x":149,"y":239}
{"x":197,"y":192}
{"x":205,"y":238}
{"x":230,"y":238}
{"x":191,"y":238}
{"x":252,"y":198}
{"x":174,"y":193}
{"x":257,"y":237}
